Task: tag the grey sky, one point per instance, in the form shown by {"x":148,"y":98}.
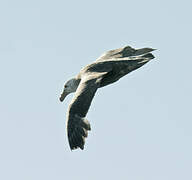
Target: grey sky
{"x":141,"y":125}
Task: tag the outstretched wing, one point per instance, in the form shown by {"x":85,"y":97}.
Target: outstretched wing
{"x":77,"y":125}
{"x":117,"y":53}
{"x":126,"y":51}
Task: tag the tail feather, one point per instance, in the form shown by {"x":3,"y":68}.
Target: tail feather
{"x":149,"y":56}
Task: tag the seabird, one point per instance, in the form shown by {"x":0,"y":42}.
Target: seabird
{"x":107,"y":69}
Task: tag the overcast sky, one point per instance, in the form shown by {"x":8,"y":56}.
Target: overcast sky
{"x":141,"y":125}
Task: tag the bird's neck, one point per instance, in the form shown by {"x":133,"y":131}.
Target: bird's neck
{"x":76,"y":82}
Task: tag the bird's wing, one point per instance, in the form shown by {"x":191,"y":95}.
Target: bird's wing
{"x":124,"y":52}
{"x":116,"y":53}
{"x":77,"y":125}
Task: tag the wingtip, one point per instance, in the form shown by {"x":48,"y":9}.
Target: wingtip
{"x":77,"y":132}
{"x":73,"y":146}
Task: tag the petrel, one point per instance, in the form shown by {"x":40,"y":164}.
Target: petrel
{"x":107,"y":69}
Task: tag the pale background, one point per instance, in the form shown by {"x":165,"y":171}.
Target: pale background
{"x":141,"y":125}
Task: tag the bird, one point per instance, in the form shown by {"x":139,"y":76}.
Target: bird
{"x":107,"y":69}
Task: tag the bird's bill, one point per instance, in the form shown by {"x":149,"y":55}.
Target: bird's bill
{"x":63,"y":95}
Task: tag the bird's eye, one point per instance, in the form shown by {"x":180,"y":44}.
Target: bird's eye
{"x":65,"y":86}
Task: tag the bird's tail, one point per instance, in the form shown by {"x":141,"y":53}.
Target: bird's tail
{"x":143,"y":59}
{"x":148,"y":56}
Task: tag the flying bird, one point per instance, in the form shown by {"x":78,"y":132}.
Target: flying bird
{"x":107,"y":69}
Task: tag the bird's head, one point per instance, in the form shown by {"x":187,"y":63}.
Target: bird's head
{"x":69,"y":87}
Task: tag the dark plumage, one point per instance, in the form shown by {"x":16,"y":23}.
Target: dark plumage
{"x":107,"y":69}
